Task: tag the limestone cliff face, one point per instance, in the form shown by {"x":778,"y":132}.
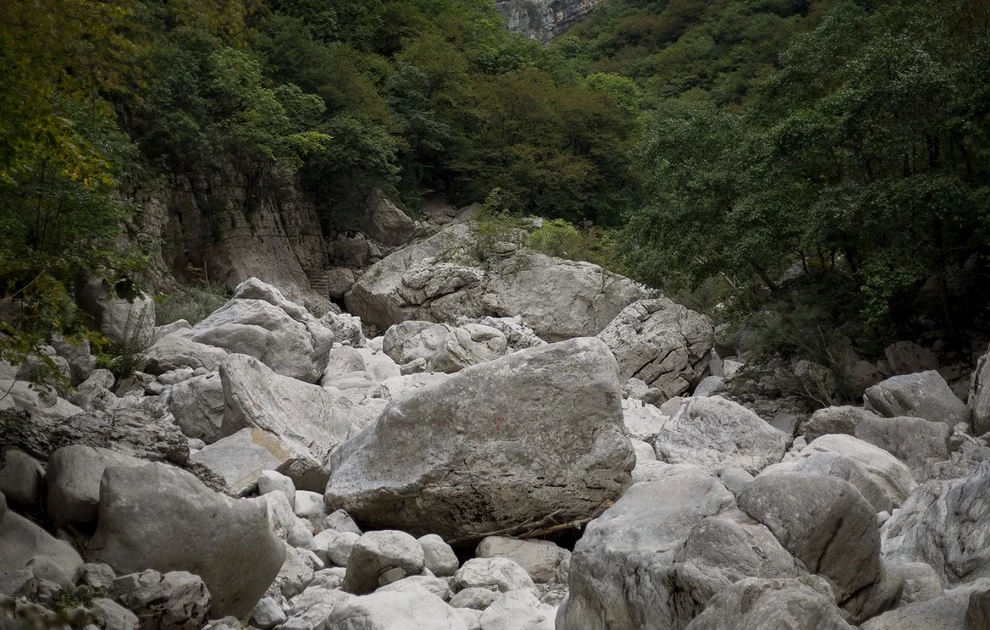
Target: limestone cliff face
{"x":544,"y":19}
{"x":224,"y":228}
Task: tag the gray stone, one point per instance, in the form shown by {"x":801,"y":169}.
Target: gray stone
{"x":21,"y":477}
{"x":109,"y":615}
{"x":162,"y":518}
{"x":925,"y":395}
{"x":754,"y":604}
{"x":338,"y":545}
{"x":438,"y":556}
{"x":657,"y":556}
{"x":643,"y":421}
{"x":267,"y":614}
{"x":413,"y":583}
{"x":376,"y":553}
{"x":296,"y":572}
{"x":122,"y":321}
{"x":501,"y":574}
{"x":410,"y":340}
{"x":239,"y":459}
{"x":710,"y":386}
{"x":395,"y":611}
{"x":518,"y":610}
{"x":715,"y":432}
{"x":467,"y":345}
{"x":339,"y":281}
{"x":23,"y":540}
{"x":262,"y":323}
{"x":944,"y":524}
{"x":307,"y":419}
{"x":385,"y":223}
{"x":947,"y":612}
{"x":919,"y":581}
{"x":534,"y":433}
{"x":661,"y":343}
{"x":542,"y":559}
{"x":175,"y":351}
{"x":79,"y":356}
{"x":74,"y":474}
{"x":176,"y":600}
{"x":979,"y":396}
{"x":197,"y":405}
{"x":272,"y":481}
{"x":824,"y":522}
{"x":474,"y":597}
{"x":97,"y":575}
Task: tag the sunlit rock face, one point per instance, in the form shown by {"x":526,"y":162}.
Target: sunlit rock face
{"x":544,"y":19}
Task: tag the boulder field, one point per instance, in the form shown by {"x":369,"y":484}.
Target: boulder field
{"x":536,"y":444}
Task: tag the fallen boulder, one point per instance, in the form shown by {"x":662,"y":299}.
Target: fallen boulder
{"x":493,"y":447}
{"x":925,"y":395}
{"x":163,"y":518}
{"x":661,"y":343}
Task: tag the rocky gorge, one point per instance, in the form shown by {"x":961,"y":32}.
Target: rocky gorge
{"x":505,"y":442}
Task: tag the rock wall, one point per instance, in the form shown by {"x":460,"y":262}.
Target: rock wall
{"x":544,"y":19}
{"x":223,"y":229}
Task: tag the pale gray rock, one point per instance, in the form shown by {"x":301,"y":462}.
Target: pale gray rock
{"x":944,"y":524}
{"x":542,"y":559}
{"x":272,"y":481}
{"x":267,"y":614}
{"x":97,"y":575}
{"x":385,"y":223}
{"x":309,"y":504}
{"x":22,"y":477}
{"x":311,"y":609}
{"x":644,"y":452}
{"x":176,"y":600}
{"x":346,"y":328}
{"x":197,"y":405}
{"x":919,"y":581}
{"x":337,"y":545}
{"x":391,"y":610}
{"x":626,"y":571}
{"x":175,"y":351}
{"x":416,"y":583}
{"x":907,"y":357}
{"x":979,"y":396}
{"x":710,"y":386}
{"x":518,"y":610}
{"x":534,"y":433}
{"x":43,"y":404}
{"x":661,"y":343}
{"x":262,"y":323}
{"x":558,"y":299}
{"x":643,"y":421}
{"x":375,"y":554}
{"x":467,"y":345}
{"x":887,"y":473}
{"x":307,"y":419}
{"x":790,"y":604}
{"x":438,"y":556}
{"x":239,"y":459}
{"x":715,"y":432}
{"x":73,"y":481}
{"x":79,"y":356}
{"x":825,"y":464}
{"x":408,"y":341}
{"x":501,"y":574}
{"x":401,"y":385}
{"x":474,"y":597}
{"x":23,"y":540}
{"x":823,"y":521}
{"x":162,"y":518}
{"x":281,"y":520}
{"x":518,"y":335}
{"x":339,"y":281}
{"x":915,"y":441}
{"x":342,"y":360}
{"x":341,"y":521}
{"x":947,"y":612}
{"x":296,"y":572}
{"x":122,"y":321}
{"x":109,"y":615}
{"x":46,"y":569}
{"x":925,"y":395}
{"x":543,"y":20}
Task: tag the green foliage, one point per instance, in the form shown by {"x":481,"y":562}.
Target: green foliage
{"x":191,"y":303}
{"x":860,"y":164}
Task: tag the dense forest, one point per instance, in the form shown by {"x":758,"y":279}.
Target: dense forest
{"x":822,"y":160}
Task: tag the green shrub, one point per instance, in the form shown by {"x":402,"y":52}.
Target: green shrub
{"x":192,"y":304}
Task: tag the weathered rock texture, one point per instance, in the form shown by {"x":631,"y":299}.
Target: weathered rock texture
{"x":535,"y":433}
{"x":544,"y":19}
{"x":162,"y":518}
{"x":662,"y":344}
{"x":438,"y":280}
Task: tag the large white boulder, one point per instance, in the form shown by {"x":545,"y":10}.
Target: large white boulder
{"x":661,"y":343}
{"x":73,"y":477}
{"x":163,"y":518}
{"x":497,"y":445}
{"x":307,"y":419}
{"x":714,"y":432}
{"x":924,"y":395}
{"x":259,"y":321}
